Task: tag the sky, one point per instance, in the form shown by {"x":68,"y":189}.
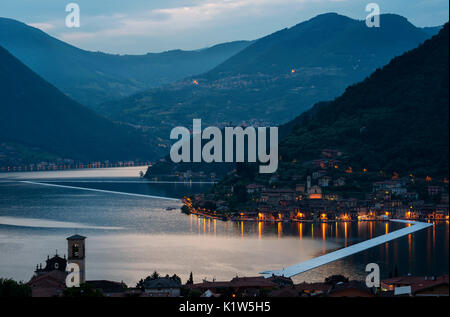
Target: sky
{"x":142,"y":26}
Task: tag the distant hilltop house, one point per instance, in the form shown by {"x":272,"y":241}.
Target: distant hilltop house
{"x":435,"y":190}
{"x":325,"y":181}
{"x":255,"y":188}
{"x":331,"y":153}
{"x":318,"y":174}
{"x":326,"y":163}
{"x":339,"y":182}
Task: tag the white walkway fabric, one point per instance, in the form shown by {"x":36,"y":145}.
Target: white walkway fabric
{"x":342,"y":253}
{"x":101,"y":191}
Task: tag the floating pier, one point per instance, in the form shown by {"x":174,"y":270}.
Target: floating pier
{"x":345,"y":252}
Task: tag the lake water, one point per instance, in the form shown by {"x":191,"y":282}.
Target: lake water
{"x":129,"y":237}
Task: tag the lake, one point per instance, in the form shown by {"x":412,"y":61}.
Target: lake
{"x":130,"y":236}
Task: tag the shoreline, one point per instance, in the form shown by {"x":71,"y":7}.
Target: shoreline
{"x":207,"y":216}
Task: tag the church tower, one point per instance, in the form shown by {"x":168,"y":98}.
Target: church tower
{"x":76,"y":252}
{"x":308,"y":184}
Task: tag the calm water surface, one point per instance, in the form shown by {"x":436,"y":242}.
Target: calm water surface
{"x":129,"y":237}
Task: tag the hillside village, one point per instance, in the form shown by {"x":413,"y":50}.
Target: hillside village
{"x":327,"y":190}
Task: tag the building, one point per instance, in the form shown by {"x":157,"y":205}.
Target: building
{"x":300,"y":188}
{"x":417,"y":285}
{"x":350,"y":289}
{"x":302,"y":290}
{"x":318,"y":174}
{"x":315,"y":192}
{"x":48,"y":284}
{"x":325,"y":181}
{"x":331,"y":153}
{"x":245,"y":286}
{"x":254,"y":188}
{"x":109,"y":288}
{"x":51,"y":264}
{"x":435,"y":190}
{"x":339,"y":182}
{"x":162,"y":287}
{"x":77,"y":254}
{"x":275,"y":196}
{"x":396,"y":187}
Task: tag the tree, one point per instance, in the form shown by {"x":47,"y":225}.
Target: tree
{"x":190,"y":281}
{"x":155,"y":275}
{"x":11,"y":288}
{"x":176,"y":278}
{"x":185,"y":209}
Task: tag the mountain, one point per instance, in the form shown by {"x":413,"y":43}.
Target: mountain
{"x":392,"y":125}
{"x":41,"y":119}
{"x":395,"y":121}
{"x":275,"y":78}
{"x":95,"y":77}
{"x":432,"y":30}
{"x":328,"y":40}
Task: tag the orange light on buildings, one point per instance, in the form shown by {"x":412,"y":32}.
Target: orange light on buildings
{"x":365,"y":170}
{"x":428,"y":179}
{"x":323,"y":216}
{"x":349,"y":170}
{"x":195,"y":82}
{"x":293,"y":71}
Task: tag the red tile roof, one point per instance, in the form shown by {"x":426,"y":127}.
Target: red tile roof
{"x":417,"y":283}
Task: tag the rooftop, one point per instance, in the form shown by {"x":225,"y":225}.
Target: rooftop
{"x":76,"y":237}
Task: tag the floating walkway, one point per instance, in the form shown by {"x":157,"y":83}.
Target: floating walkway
{"x":342,"y":253}
{"x":101,"y":191}
{"x":129,"y":182}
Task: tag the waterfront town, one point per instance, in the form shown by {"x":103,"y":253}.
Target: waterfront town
{"x":326,"y":189}
{"x":50,"y":281}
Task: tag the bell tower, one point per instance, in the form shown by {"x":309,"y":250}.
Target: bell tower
{"x":76,"y":252}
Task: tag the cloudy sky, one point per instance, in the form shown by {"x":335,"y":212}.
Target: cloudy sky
{"x":141,"y":26}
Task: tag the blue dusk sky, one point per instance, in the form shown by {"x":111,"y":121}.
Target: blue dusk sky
{"x":141,"y":26}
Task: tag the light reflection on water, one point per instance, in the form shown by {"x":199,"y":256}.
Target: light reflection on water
{"x":168,"y":241}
